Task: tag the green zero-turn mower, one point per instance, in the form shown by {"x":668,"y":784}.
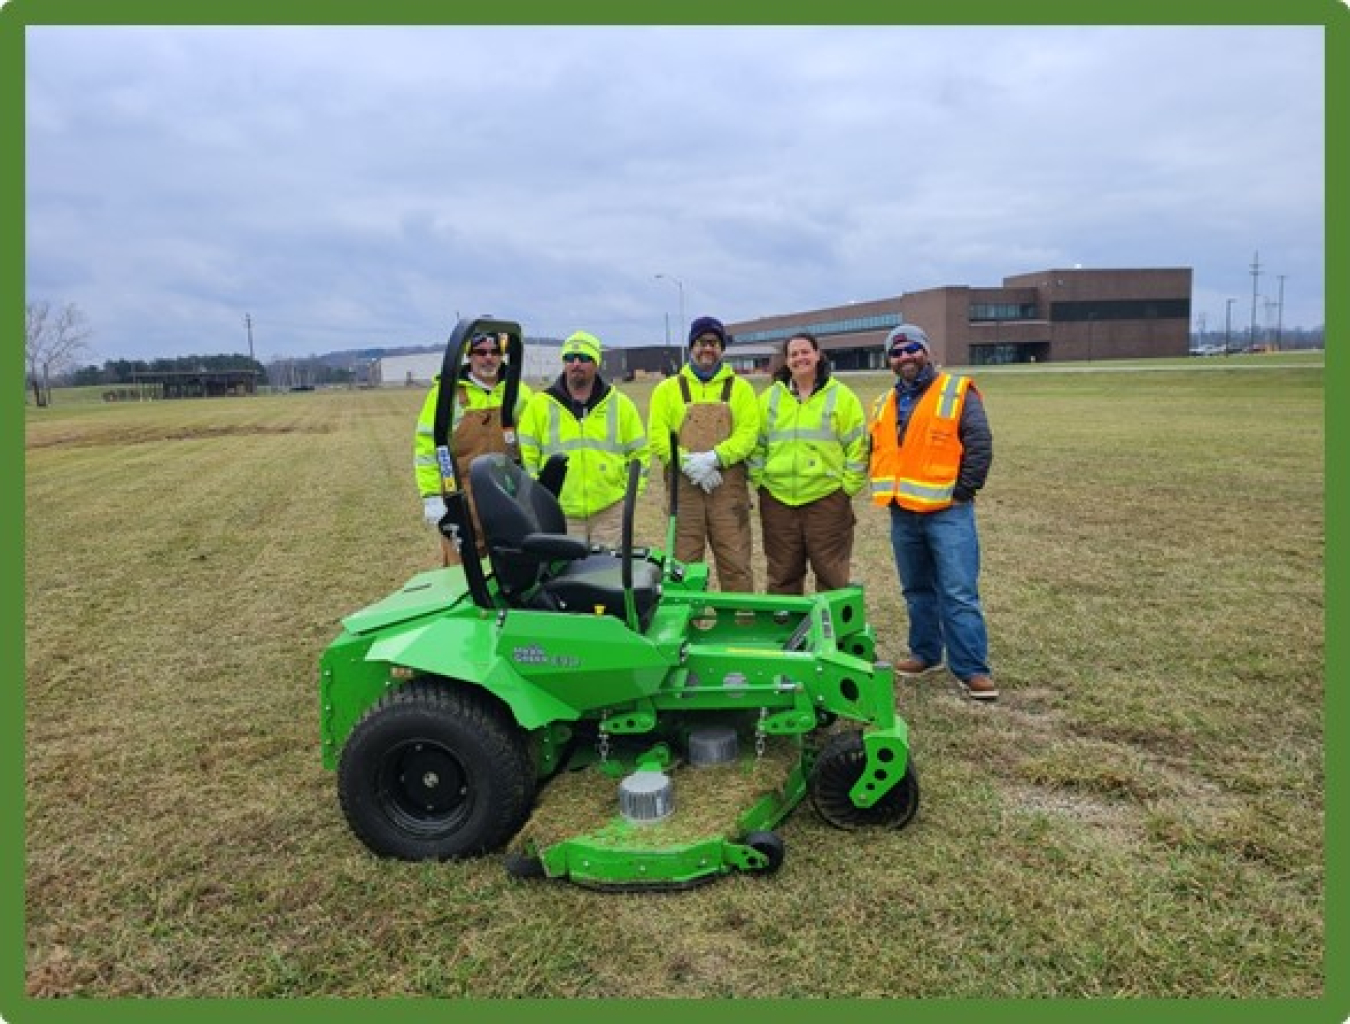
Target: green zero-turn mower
{"x":599,"y":713}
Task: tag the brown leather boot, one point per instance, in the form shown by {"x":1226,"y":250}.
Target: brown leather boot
{"x":912,"y":666}
{"x":980,"y":688}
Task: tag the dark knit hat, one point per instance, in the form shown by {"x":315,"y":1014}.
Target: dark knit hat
{"x":707,"y":325}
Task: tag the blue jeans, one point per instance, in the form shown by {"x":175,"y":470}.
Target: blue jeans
{"x":938,"y":557}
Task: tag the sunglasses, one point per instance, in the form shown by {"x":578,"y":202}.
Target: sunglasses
{"x":486,"y":352}
{"x":577,"y":357}
{"x":708,"y":342}
{"x":906,"y":350}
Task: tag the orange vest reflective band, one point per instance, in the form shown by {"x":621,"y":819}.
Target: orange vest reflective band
{"x":921,"y":476}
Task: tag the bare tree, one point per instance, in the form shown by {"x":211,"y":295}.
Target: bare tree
{"x":53,"y":342}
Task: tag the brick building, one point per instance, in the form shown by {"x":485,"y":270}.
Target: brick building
{"x":1049,"y":316}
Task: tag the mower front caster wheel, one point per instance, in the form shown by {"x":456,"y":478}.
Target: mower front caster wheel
{"x":523,"y":865}
{"x":770,"y":844}
{"x":838,"y":766}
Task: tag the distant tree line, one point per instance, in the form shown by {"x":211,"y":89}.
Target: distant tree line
{"x":125,"y":371}
{"x":1286,"y":338}
{"x":311,"y":371}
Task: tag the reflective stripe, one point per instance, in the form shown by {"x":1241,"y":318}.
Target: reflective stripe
{"x":779,"y":436}
{"x":579,"y":444}
{"x":822,"y":433}
{"x":946,"y":406}
{"x":609,"y":443}
{"x":925,"y":492}
{"x":831,"y":399}
{"x":637,"y":444}
{"x":552,"y":439}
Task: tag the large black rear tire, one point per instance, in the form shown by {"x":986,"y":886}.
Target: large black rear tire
{"x":433,"y":772}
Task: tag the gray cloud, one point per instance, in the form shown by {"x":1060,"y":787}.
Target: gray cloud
{"x":360,"y":186}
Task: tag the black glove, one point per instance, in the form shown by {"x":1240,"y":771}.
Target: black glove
{"x":963,"y":494}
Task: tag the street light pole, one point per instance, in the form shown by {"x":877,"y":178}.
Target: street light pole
{"x":680,"y":285}
{"x":1279,"y":323}
{"x":1256,"y":274}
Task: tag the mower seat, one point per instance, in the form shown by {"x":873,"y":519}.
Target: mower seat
{"x":537,"y":564}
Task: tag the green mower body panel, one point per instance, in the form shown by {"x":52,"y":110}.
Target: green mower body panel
{"x":701,"y":652}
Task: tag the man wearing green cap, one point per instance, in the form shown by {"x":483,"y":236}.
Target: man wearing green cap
{"x":599,"y":429}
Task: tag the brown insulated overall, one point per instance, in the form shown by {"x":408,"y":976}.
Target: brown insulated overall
{"x":720,"y":519}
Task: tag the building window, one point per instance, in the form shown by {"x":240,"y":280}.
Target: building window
{"x":1121,"y":309}
{"x":1002,"y":311}
{"x":1002,"y":354}
{"x":853,"y":325}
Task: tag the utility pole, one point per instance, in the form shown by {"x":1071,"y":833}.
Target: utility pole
{"x":1256,"y":276}
{"x":1228,"y":327}
{"x":1279,"y":318}
{"x":680,"y":285}
{"x":248,"y":323}
{"x":1269,"y":322}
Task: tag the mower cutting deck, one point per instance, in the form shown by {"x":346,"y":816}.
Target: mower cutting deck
{"x":624,"y":725}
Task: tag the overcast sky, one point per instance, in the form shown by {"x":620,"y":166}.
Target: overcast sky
{"x":353,"y":187}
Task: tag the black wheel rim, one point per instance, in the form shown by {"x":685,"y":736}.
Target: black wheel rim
{"x":424,"y":789}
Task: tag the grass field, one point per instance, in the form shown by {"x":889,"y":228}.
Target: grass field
{"x":1140,"y":815}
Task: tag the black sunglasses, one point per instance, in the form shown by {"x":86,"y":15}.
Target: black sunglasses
{"x":906,"y":350}
{"x":577,"y":357}
{"x":486,"y":352}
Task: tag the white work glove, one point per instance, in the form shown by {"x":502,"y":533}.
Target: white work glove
{"x":712,"y":481}
{"x":697,"y":466}
{"x":433,"y":509}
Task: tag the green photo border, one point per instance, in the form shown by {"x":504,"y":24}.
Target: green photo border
{"x":17,"y":15}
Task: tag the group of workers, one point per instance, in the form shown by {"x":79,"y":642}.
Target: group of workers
{"x":804,"y":447}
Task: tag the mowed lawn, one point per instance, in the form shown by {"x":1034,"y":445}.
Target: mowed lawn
{"x":1140,"y":815}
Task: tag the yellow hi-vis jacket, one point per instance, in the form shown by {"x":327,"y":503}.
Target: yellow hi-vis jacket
{"x":807,"y":450}
{"x":921,"y":475}
{"x":598,"y":447}
{"x":667,"y":409}
{"x":425,"y":467}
